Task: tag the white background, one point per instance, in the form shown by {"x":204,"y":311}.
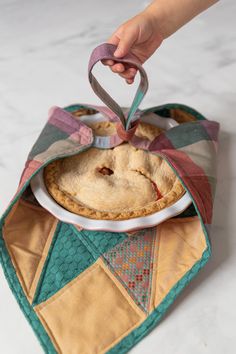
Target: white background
{"x":44,"y":51}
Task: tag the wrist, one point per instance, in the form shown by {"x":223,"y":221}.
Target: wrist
{"x":158,"y":16}
{"x":170,"y":15}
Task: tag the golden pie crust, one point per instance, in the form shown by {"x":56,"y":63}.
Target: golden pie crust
{"x":113,"y":184}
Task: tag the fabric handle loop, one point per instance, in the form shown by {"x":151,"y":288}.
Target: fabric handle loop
{"x":106,"y":51}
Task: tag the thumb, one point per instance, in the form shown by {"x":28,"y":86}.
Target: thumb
{"x":126,"y":41}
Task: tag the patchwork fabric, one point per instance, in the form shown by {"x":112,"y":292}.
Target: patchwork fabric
{"x":103,"y":242}
{"x":128,"y":257}
{"x":93,"y":311}
{"x":93,"y":292}
{"x":132,"y":263}
{"x":67,"y":258}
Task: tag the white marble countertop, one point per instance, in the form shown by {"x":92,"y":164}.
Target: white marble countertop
{"x":45,"y":46}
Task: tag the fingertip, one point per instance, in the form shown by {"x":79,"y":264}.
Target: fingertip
{"x":129,"y":81}
{"x":119,"y":52}
{"x":127,"y":74}
{"x":133,"y":71}
{"x":107,"y":62}
{"x":110,"y":62}
{"x":118,"y":68}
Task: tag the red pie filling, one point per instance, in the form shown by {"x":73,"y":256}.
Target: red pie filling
{"x":106,"y":171}
{"x":159,"y":195}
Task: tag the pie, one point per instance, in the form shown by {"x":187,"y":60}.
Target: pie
{"x":113,"y":184}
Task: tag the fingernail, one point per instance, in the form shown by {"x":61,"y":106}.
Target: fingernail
{"x":117,"y":52}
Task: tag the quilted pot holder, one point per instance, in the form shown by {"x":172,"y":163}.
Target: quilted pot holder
{"x":86,"y":291}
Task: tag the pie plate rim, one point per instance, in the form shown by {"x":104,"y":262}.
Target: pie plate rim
{"x":45,"y":199}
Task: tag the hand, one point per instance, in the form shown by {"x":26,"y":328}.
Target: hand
{"x":140,"y":36}
{"x":143,"y":34}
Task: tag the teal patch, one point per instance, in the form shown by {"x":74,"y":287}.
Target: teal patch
{"x":67,"y":258}
{"x":180,"y":137}
{"x":104,"y":241}
{"x":136,"y":102}
{"x":74,"y":107}
{"x":164,"y":110}
{"x":49,"y":135}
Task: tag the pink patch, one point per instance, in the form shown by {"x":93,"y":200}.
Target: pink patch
{"x":195,"y":180}
{"x":133,"y":247}
{"x":30,"y":167}
{"x":139,"y":265}
{"x":147,"y":237}
{"x":119,"y":260}
{"x":145,"y":285}
{"x":125,"y":278}
{"x":82,"y":137}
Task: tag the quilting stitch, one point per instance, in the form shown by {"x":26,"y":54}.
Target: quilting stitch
{"x":67,"y":259}
{"x":132,"y":263}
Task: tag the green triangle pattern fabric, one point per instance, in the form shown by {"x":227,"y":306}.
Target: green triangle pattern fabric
{"x":103,"y":242}
{"x":67,"y":258}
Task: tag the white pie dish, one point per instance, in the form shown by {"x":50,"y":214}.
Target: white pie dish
{"x":45,"y":199}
